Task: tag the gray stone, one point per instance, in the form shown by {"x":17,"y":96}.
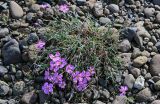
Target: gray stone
{"x":113,"y":8}
{"x":126,"y":59}
{"x":80,"y":2}
{"x":4,"y":88}
{"x":125,"y":46}
{"x":98,"y":102}
{"x":136,"y":52}
{"x":3,"y":101}
{"x":104,"y":20}
{"x":135,"y":72}
{"x":18,"y":88}
{"x":32,"y":38}
{"x":16,"y":10}
{"x":144,"y":95}
{"x":155,"y":65}
{"x":11,"y":52}
{"x":3,"y":70}
{"x":42,"y":97}
{"x":29,"y":17}
{"x":139,"y":61}
{"x":11,"y":101}
{"x":156,"y":102}
{"x":35,"y":7}
{"x":156,"y":2}
{"x":149,"y":12}
{"x":157,"y":85}
{"x":105,"y":93}
{"x":158,"y":45}
{"x":158,"y":17}
{"x":129,"y":2}
{"x":139,"y":83}
{"x":120,"y":100}
{"x":3,"y":32}
{"x":129,"y":81}
{"x":98,"y":9}
{"x":29,"y":98}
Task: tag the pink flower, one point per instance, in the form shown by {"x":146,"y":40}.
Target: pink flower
{"x":55,"y":57}
{"x":64,"y":8}
{"x":40,"y":44}
{"x":70,"y":68}
{"x":123,"y":90}
{"x":47,"y":88}
{"x":45,"y":5}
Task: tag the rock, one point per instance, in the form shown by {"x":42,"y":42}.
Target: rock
{"x":113,"y":8}
{"x":11,"y":101}
{"x":158,"y":17}
{"x":158,"y":45}
{"x":3,"y":101}
{"x":143,"y":33}
{"x":156,"y":2}
{"x":105,"y":93}
{"x":3,"y":32}
{"x":126,"y":59}
{"x":157,"y":85}
{"x":136,"y":52}
{"x":4,"y":88}
{"x":19,"y":74}
{"x":135,"y":72}
{"x":139,"y":83}
{"x":139,"y":61}
{"x":98,"y":9}
{"x":3,"y":70}
{"x":129,"y":2}
{"x":149,"y":12}
{"x":138,"y":40}
{"x":42,"y":97}
{"x":30,"y":17}
{"x":125,"y":46}
{"x":155,"y":65}
{"x":144,"y":95}
{"x":32,"y":38}
{"x":129,"y":81}
{"x":98,"y":102}
{"x":80,"y":2}
{"x":11,"y":52}
{"x":34,"y":8}
{"x":120,"y":100}
{"x":156,"y":102}
{"x":29,"y":98}
{"x":129,"y":33}
{"x":18,"y":88}
{"x":104,"y":20}
{"x":16,"y":10}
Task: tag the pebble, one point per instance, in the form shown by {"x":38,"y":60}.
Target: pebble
{"x":120,"y":100}
{"x":129,"y":80}
{"x":18,"y":88}
{"x":4,"y":88}
{"x":157,"y":85}
{"x":32,"y":38}
{"x":98,"y":102}
{"x":29,"y":98}
{"x":158,"y":17}
{"x":155,"y":65}
{"x":16,"y":10}
{"x":104,"y":20}
{"x":113,"y":8}
{"x":3,"y":32}
{"x":3,"y":101}
{"x":11,"y":52}
{"x":144,"y":95}
{"x":126,"y":59}
{"x":139,"y":83}
{"x":34,"y":8}
{"x":125,"y":46}
{"x":139,"y":61}
{"x":156,"y":102}
{"x":135,"y":72}
{"x":156,"y":2}
{"x":98,"y":9}
{"x":3,"y":71}
{"x":149,"y":12}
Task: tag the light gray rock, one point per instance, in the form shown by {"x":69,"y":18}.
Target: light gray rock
{"x":3,"y":101}
{"x":149,"y":12}
{"x":4,"y":88}
{"x":29,"y":98}
{"x":98,"y":102}
{"x":18,"y":88}
{"x":126,"y":59}
{"x":104,"y":20}
{"x":135,"y":72}
{"x":35,"y":7}
{"x":139,"y":83}
{"x":158,"y":17}
{"x":125,"y":46}
{"x":129,"y":81}
{"x":3,"y":70}
{"x":11,"y":52}
{"x":144,"y":95}
{"x":139,"y":61}
{"x":113,"y":8}
{"x":157,"y":85}
{"x":3,"y":32}
{"x":156,"y":102}
{"x":16,"y":10}
{"x":98,"y":9}
{"x":120,"y":100}
{"x":155,"y":65}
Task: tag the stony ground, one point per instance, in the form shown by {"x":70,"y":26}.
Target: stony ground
{"x":23,"y":22}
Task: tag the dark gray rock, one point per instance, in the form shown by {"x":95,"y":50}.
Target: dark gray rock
{"x":42,"y":97}
{"x":11,"y":52}
{"x":32,"y":38}
{"x":4,"y":88}
{"x":18,"y":88}
{"x":158,"y":45}
{"x":155,"y":65}
{"x":113,"y":8}
{"x":130,"y":2}
{"x":80,"y":2}
{"x":156,"y":2}
{"x":144,"y":95}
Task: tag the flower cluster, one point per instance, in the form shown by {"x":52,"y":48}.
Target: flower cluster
{"x":40,"y":44}
{"x":54,"y":75}
{"x":123,"y":90}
